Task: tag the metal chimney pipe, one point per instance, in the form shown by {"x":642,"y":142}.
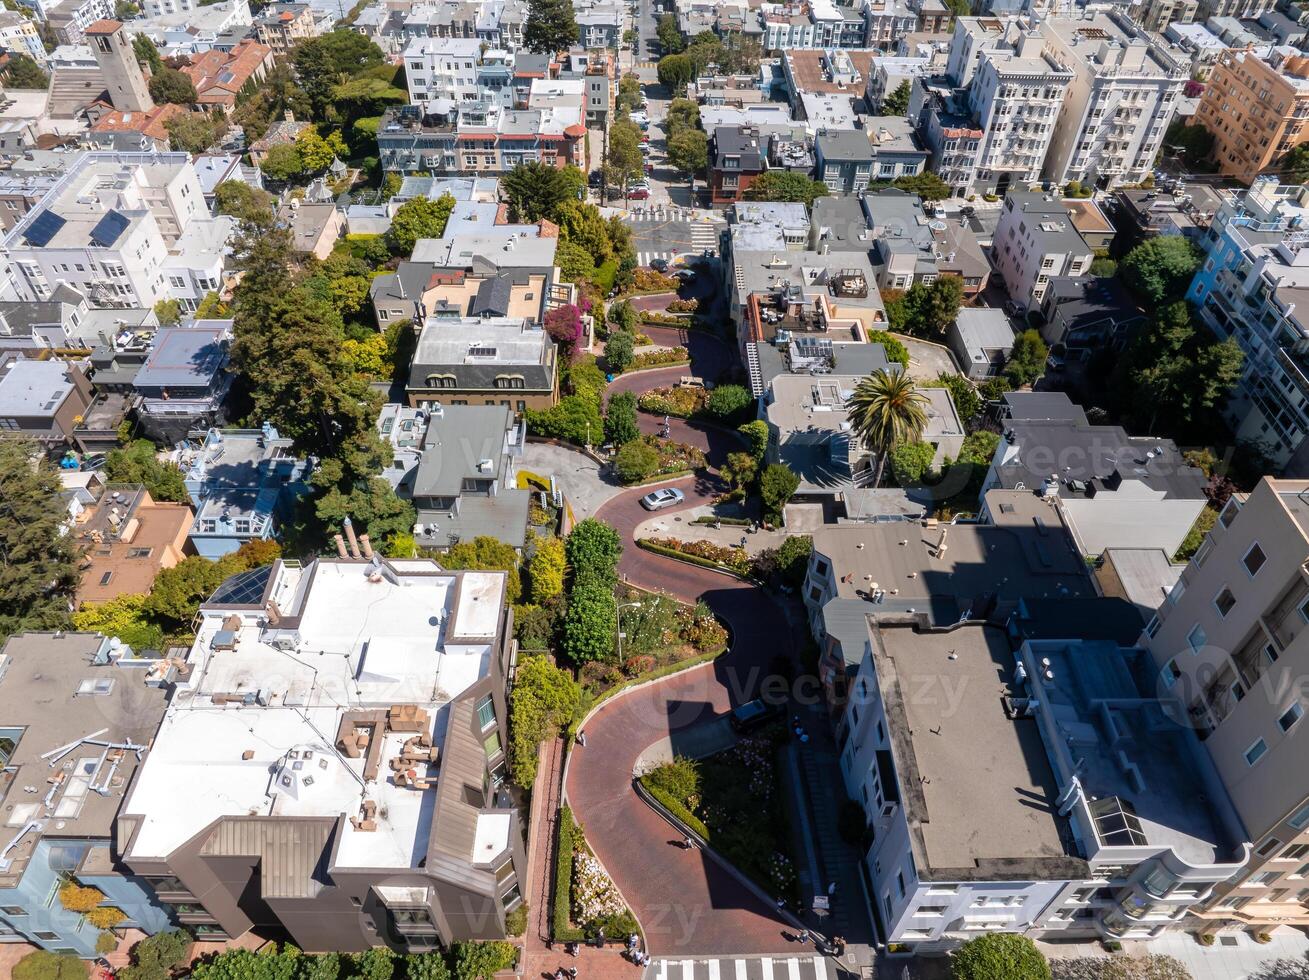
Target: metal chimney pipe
{"x":350,"y":537}
{"x":366,"y":546}
{"x":340,"y":546}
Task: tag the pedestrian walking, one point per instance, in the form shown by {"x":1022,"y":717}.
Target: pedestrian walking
{"x":581,"y":738}
{"x":831,"y":889}
{"x":804,"y":936}
{"x":687,"y":843}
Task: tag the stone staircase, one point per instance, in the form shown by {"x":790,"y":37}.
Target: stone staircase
{"x":836,"y":859}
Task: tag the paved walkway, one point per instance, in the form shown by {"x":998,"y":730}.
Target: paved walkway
{"x":1246,"y":960}
{"x":575,"y":473}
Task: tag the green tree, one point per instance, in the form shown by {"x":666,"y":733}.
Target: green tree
{"x":321,"y":62}
{"x":1160,"y":269}
{"x":193,"y":132}
{"x":756,"y":434}
{"x":927,"y":309}
{"x":482,"y":961}
{"x":1194,"y":142}
{"x":682,"y":114}
{"x":364,"y":98}
{"x":669,"y":35}
{"x":675,"y":70}
{"x":377,"y":963}
{"x":589,"y":623}
{"x":1026,"y":360}
{"x":44,"y":965}
{"x":727,"y":400}
{"x":967,"y":402}
{"x":283,"y":162}
{"x":1175,"y":375}
{"x":786,"y":186}
{"x":740,"y":470}
{"x":546,"y":569}
{"x":178,"y":591}
{"x":487,"y":554}
{"x":960,"y":8}
{"x":38,"y":561}
{"x":926,"y":185}
{"x":777,"y":484}
{"x":123,"y":616}
{"x":688,"y":151}
{"x":625,"y":151}
{"x":242,"y":201}
{"x":911,"y":461}
{"x":620,"y":418}
{"x":1295,"y":165}
{"x":138,"y":462}
{"x":154,"y":957}
{"x":316,"y":153}
{"x":1104,"y":267}
{"x":619,"y":351}
{"x":624,"y":317}
{"x":636,"y":461}
{"x":896,"y":352}
{"x":24,"y":72}
{"x":551,"y":26}
{"x":123,"y":10}
{"x":629,"y":93}
{"x":536,"y":190}
{"x":885,"y":409}
{"x":593,"y":549}
{"x":575,"y":419}
{"x":168,"y":85}
{"x":426,"y":966}
{"x":147,"y":55}
{"x":999,"y":956}
{"x":419,"y":217}
{"x":168,"y":312}
{"x":574,"y":261}
{"x":897,"y":103}
{"x":793,"y":557}
{"x":544,"y":699}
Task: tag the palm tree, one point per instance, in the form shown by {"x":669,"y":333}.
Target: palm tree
{"x":886,"y":410}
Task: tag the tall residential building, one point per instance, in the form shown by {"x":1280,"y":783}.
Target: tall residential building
{"x":1231,"y":647}
{"x":1254,"y":287}
{"x":1015,"y":97}
{"x":117,"y":60}
{"x":1256,"y":108}
{"x":1156,"y":15}
{"x":1240,"y":9}
{"x":1118,"y":106}
{"x":331,"y":763}
{"x":442,"y":68}
{"x":1100,"y":821}
{"x":1035,"y":241}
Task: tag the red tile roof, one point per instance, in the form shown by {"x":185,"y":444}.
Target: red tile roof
{"x":152,"y":123}
{"x":104,"y":27}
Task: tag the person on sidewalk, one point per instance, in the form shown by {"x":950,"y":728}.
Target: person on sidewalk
{"x":581,"y":738}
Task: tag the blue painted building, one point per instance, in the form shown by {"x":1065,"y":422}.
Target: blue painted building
{"x":243,"y":484}
{"x":76,"y":714}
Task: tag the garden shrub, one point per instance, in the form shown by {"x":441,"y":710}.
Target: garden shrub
{"x":636,"y":461}
{"x":593,"y":549}
{"x":732,"y":558}
{"x":682,"y":403}
{"x":561,"y":913}
{"x":793,"y":557}
{"x":639,"y":664}
{"x":681,"y":778}
{"x":44,"y":965}
{"x":727,"y":400}
{"x":999,"y":956}
{"x":543,"y":700}
{"x":896,"y":352}
{"x":482,"y":961}
{"x":659,"y":358}
{"x":911,"y":462}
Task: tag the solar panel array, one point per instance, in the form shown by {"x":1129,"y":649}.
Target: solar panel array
{"x":108,"y":229}
{"x":43,"y":229}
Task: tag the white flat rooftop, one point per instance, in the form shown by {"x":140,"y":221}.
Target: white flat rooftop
{"x":367,"y":638}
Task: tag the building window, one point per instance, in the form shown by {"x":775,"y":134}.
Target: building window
{"x":47,"y":936}
{"x":1224,"y":602}
{"x":1171,"y":673}
{"x":13,"y":910}
{"x":1290,"y":716}
{"x":1295,"y":852}
{"x":1255,"y":752}
{"x":104,"y":579}
{"x":492,"y":745}
{"x":1300,"y":819}
{"x":1254,"y":560}
{"x":1268,"y":846}
{"x":1196,"y":638}
{"x":486,"y":712}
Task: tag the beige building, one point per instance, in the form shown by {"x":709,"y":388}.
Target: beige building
{"x":128,"y":538}
{"x":1231,"y":642}
{"x":1256,"y":109}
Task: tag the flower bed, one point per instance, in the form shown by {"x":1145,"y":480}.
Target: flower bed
{"x":660,"y":358}
{"x":737,"y":807}
{"x":666,"y":319}
{"x":675,"y":456}
{"x":649,"y":281}
{"x":732,"y":558}
{"x":684,"y":306}
{"x":680,"y":403}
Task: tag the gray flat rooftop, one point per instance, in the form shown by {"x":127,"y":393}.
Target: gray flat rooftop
{"x":185,"y":356}
{"x":34,"y":389}
{"x":978,"y":790}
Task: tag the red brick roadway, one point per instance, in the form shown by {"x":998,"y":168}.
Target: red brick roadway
{"x":686,"y":902}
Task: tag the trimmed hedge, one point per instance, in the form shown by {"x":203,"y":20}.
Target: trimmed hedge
{"x":659,"y":549}
{"x":678,"y":810}
{"x":730,"y":521}
{"x":561,"y":928}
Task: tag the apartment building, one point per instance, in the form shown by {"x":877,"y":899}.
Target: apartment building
{"x":442,"y":68}
{"x":118,"y":227}
{"x":128,"y":537}
{"x":1035,"y":240}
{"x":1109,"y":489}
{"x":1105,"y":837}
{"x":1252,"y":287}
{"x":1156,"y":15}
{"x":954,"y":140}
{"x":243,"y":484}
{"x":479,"y":138}
{"x":77,"y":712}
{"x":70,"y":19}
{"x":909,"y":246}
{"x":1015,"y":97}
{"x":184,"y":381}
{"x":42,"y":400}
{"x":464,"y":483}
{"x":18,"y":33}
{"x":844,"y":159}
{"x":1257,"y":109}
{"x":1229,"y":644}
{"x":486,"y":361}
{"x":1118,"y":106}
{"x":1239,"y":9}
{"x":281,"y":26}
{"x":736,"y":158}
{"x":886,"y":21}
{"x":350,"y":796}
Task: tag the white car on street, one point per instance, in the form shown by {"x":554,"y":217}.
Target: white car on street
{"x":659,"y":499}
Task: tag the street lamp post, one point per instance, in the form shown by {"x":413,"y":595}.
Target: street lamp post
{"x":618,"y":620}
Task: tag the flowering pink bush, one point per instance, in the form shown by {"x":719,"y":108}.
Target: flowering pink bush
{"x":564,"y":324}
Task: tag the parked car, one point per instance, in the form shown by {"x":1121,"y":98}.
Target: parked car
{"x":659,"y":499}
{"x":1014,"y":309}
{"x":639,"y":193}
{"x":659,"y":265}
{"x":752,"y":715}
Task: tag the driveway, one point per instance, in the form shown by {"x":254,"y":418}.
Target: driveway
{"x":926,"y":360}
{"x":575,"y":473}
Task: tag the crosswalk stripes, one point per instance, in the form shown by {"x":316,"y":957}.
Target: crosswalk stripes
{"x":645,"y":258}
{"x":740,"y":968}
{"x":704,"y":236}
